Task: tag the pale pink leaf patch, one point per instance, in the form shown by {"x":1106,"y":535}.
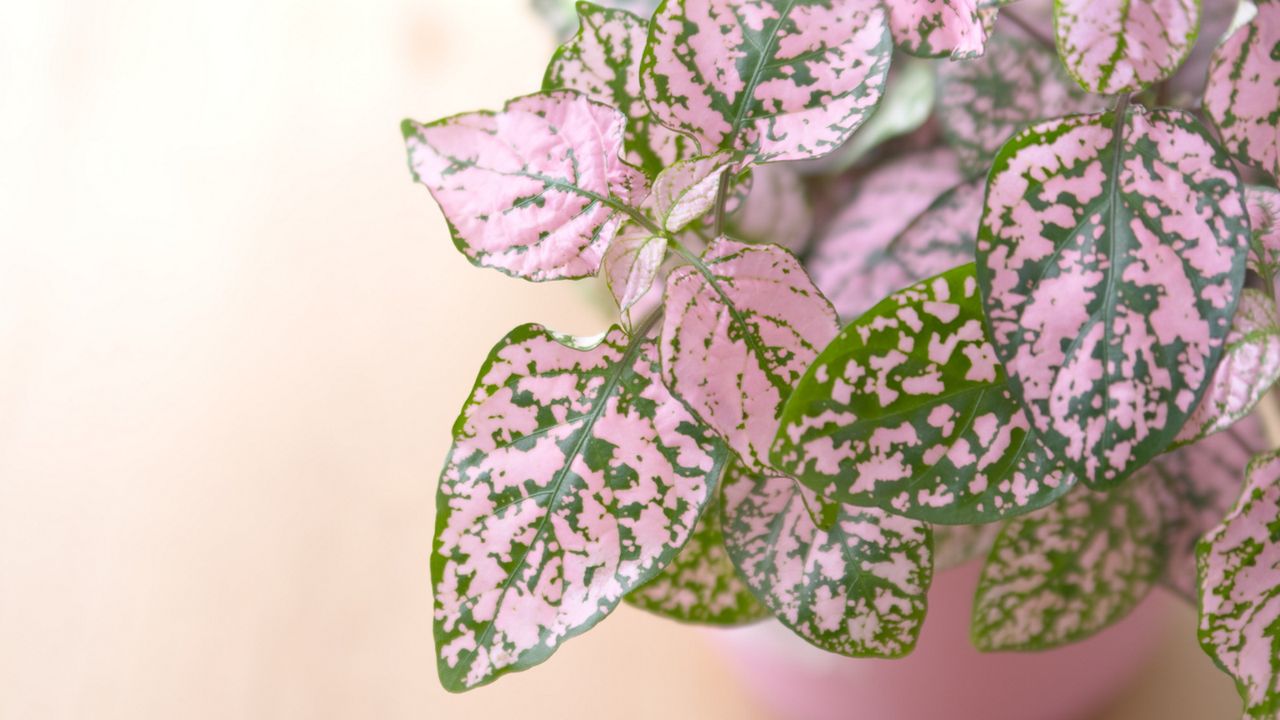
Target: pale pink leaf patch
{"x":574,"y":477}
{"x":773,"y":79}
{"x":1112,"y":47}
{"x":687,"y":190}
{"x":631,"y":265}
{"x":857,"y":588}
{"x":1243,"y":93}
{"x":938,"y":28}
{"x":742,"y":325}
{"x":1111,"y":256}
{"x":536,"y":190}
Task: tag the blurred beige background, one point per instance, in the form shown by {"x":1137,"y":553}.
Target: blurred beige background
{"x":233,"y":336}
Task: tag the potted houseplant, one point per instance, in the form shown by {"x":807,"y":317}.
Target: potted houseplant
{"x":899,"y":285}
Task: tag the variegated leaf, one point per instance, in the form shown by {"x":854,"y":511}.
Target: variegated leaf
{"x":1195,"y":487}
{"x":775,"y":79}
{"x":742,"y":325}
{"x":701,"y":584}
{"x":938,"y":28}
{"x":563,"y":15}
{"x":1113,"y":47}
{"x":858,"y":588}
{"x":574,"y":477}
{"x":1111,"y":255}
{"x":1263,"y":204}
{"x":687,"y":190}
{"x":984,"y":102}
{"x":536,"y":190}
{"x":1068,"y":570}
{"x":631,"y":265}
{"x":603,"y":61}
{"x":905,"y":107}
{"x":908,"y":410}
{"x":777,"y":210}
{"x":1243,"y":93}
{"x":1185,"y":88}
{"x":1240,"y":590}
{"x":848,"y":261}
{"x":1250,"y":365}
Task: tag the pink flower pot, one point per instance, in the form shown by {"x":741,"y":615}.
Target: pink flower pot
{"x":945,"y":678}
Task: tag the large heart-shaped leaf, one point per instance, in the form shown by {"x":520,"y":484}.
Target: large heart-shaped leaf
{"x":1121,"y":46}
{"x":1068,"y":570}
{"x":1240,"y":590}
{"x":1243,"y":93}
{"x":984,"y":102}
{"x":701,"y":584}
{"x":1196,"y":487}
{"x":938,"y":28}
{"x":537,"y":190}
{"x":848,"y":261}
{"x":858,"y":588}
{"x":603,"y":61}
{"x":1111,"y":255}
{"x":742,"y":325}
{"x":776,"y":79}
{"x":908,"y":410}
{"x":574,"y":477}
{"x":1250,"y":365}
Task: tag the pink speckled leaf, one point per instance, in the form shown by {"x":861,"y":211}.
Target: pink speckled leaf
{"x":984,"y":102}
{"x":536,"y":190}
{"x":938,"y":28}
{"x":1195,"y":487}
{"x":631,"y":265}
{"x":775,"y":79}
{"x":851,"y":262}
{"x":1250,"y":365}
{"x":603,"y":62}
{"x":1243,"y":93}
{"x":701,"y":585}
{"x":1263,"y":204}
{"x":686,"y":190}
{"x":1239,"y":566}
{"x":1113,"y":47}
{"x":858,"y":588}
{"x":574,"y":477}
{"x":908,"y":410}
{"x":777,"y":210}
{"x":1111,"y":256}
{"x":742,"y":325}
{"x":1068,"y":570}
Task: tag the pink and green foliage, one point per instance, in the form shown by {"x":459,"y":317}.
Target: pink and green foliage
{"x":1240,"y":590}
{"x":856,"y":588}
{"x":1111,"y":256}
{"x":1243,"y":93}
{"x":1061,"y":324}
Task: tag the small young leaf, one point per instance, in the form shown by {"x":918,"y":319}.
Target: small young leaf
{"x":574,"y":477}
{"x":777,"y":210}
{"x":857,"y":589}
{"x":701,"y":584}
{"x":775,"y":79}
{"x":984,"y":102}
{"x":1264,"y":220}
{"x":1250,"y":365}
{"x":1240,"y":590}
{"x":1068,"y":570}
{"x":1195,"y":487}
{"x":687,"y":190}
{"x":1111,"y":255}
{"x":1243,"y":94}
{"x":908,"y":410}
{"x":631,"y":264}
{"x":938,"y":28}
{"x":1112,"y":47}
{"x":742,"y":325}
{"x":852,"y":262}
{"x":603,"y":61}
{"x":536,"y":190}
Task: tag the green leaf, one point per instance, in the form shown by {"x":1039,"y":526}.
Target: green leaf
{"x":574,"y":477}
{"x":908,"y":410}
{"x":858,"y":588}
{"x":1069,"y":570}
{"x":701,"y":584}
{"x":1111,"y":256}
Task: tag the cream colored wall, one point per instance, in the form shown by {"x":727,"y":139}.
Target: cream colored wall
{"x":232,"y":338}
